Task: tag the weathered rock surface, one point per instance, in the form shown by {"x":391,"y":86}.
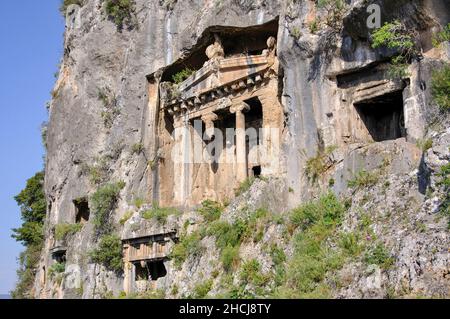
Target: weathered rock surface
{"x":100,"y":111}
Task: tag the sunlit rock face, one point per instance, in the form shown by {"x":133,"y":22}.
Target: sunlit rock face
{"x":309,"y":87}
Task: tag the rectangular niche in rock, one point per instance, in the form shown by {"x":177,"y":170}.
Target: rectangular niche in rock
{"x":145,"y":260}
{"x":82,"y":211}
{"x":383,"y":116}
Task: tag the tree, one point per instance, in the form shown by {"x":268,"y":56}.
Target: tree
{"x":32,"y":203}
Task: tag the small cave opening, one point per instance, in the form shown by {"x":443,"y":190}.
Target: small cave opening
{"x":256,"y":171}
{"x":383,"y":116}
{"x":150,"y":270}
{"x":59,"y":256}
{"x":82,"y":211}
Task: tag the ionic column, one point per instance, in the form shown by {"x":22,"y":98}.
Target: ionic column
{"x":241,"y":145}
{"x":209,"y":119}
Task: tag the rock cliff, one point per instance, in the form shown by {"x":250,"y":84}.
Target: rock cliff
{"x":384,"y":184}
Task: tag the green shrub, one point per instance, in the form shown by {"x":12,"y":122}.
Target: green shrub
{"x":351,"y":243}
{"x":55,"y":269}
{"x":64,"y":230}
{"x":256,"y":225}
{"x":314,"y":26}
{"x":425,"y":144}
{"x":98,"y":172}
{"x":440,"y":87}
{"x":442,"y":36}
{"x":378,"y":255}
{"x":188,"y":246}
{"x":335,"y":12}
{"x":210,"y":210}
{"x":159,"y":213}
{"x":125,"y":218}
{"x":277,"y":254}
{"x":230,"y":258}
{"x":137,"y":148}
{"x":394,"y":35}
{"x":245,"y":186}
{"x":26,"y":273}
{"x":109,"y":253}
{"x":445,"y":182}
{"x":201,"y":290}
{"x":138,"y":202}
{"x":104,"y":201}
{"x":227,"y":234}
{"x":278,"y":258}
{"x":313,"y":257}
{"x":316,"y":166}
{"x":66,"y":3}
{"x":251,"y":274}
{"x":363,"y":179}
{"x":120,"y":12}
{"x":327,"y":209}
{"x":182,"y":75}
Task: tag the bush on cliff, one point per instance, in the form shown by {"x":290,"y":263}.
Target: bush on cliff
{"x":103,"y":203}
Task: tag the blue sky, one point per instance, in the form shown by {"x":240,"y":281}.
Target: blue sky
{"x":31,"y":36}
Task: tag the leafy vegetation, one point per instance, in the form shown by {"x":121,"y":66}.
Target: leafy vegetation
{"x":103,"y":202}
{"x":98,"y":172}
{"x":182,"y":75}
{"x":55,"y":269}
{"x":440,"y":87}
{"x":313,"y":258}
{"x":245,"y":186}
{"x":125,"y":218}
{"x":159,"y":213}
{"x":230,"y":257}
{"x":442,"y":36}
{"x":210,"y":210}
{"x":425,"y":144}
{"x":120,"y":12}
{"x":110,"y":105}
{"x":64,"y":230}
{"x":201,"y":290}
{"x":66,"y":3}
{"x":395,"y":35}
{"x":137,"y":148}
{"x":316,"y":166}
{"x":32,"y":203}
{"x":279,"y":259}
{"x":336,"y":10}
{"x":109,"y":253}
{"x":378,"y":255}
{"x":445,"y":182}
{"x":363,"y":179}
{"x":188,"y":246}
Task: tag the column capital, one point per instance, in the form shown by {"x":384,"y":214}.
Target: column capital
{"x":239,"y":108}
{"x":209,"y":118}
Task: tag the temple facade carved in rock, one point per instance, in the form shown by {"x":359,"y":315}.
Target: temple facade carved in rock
{"x":220,"y":126}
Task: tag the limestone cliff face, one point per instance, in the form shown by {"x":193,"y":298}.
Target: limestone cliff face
{"x":102,"y":123}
